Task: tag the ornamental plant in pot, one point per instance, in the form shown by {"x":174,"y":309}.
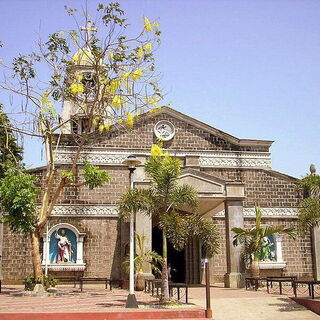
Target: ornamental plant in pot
{"x":142,"y":258}
{"x":254,"y":240}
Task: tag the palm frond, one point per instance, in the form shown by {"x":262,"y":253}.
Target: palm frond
{"x":271,"y":230}
{"x":311,"y":185}
{"x":206,"y":232}
{"x":183,"y":195}
{"x":251,"y":239}
{"x":258,"y":211}
{"x":132,"y":201}
{"x":309,"y":213}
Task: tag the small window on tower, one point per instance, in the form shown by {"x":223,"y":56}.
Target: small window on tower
{"x":84,"y":125}
{"x":74,"y":126}
{"x":88,"y":80}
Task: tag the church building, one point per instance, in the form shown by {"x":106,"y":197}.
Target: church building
{"x":231,"y":176}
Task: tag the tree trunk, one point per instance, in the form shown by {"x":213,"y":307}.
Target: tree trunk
{"x":255,"y":269}
{"x":164,"y":277}
{"x":35,"y":249}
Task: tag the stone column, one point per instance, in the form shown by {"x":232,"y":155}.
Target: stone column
{"x":316,"y":252}
{"x":234,"y":278}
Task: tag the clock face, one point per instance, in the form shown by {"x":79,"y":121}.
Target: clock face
{"x":164,"y":130}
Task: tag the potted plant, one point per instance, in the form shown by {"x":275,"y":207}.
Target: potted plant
{"x":143,"y":257}
{"x":254,"y":240}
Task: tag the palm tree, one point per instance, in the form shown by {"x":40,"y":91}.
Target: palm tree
{"x":310,"y":206}
{"x":141,"y":258}
{"x":163,"y":200}
{"x":253,"y":239}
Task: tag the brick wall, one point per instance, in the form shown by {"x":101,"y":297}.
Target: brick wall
{"x":142,"y":136}
{"x":296,"y":253}
{"x":265,"y":188}
{"x":16,"y":255}
{"x":101,"y":248}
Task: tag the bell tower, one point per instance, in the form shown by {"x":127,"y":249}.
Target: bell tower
{"x":73,"y":112}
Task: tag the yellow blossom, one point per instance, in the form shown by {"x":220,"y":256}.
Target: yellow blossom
{"x":156,"y":151}
{"x":76,"y":88}
{"x":41,"y":128}
{"x":148,"y":47}
{"x":155,"y":25}
{"x":45,"y":100}
{"x":107,"y":126}
{"x":147,"y":24}
{"x":136,"y":74}
{"x":155,"y":110}
{"x":75,"y":38}
{"x":117,"y":101}
{"x":152,"y":100}
{"x":129,"y":120}
{"x":126,"y":75}
{"x":76,"y":57}
{"x":111,"y":55}
{"x":114,"y":86}
{"x":79,"y":76}
{"x":140,"y":53}
{"x":101,"y":128}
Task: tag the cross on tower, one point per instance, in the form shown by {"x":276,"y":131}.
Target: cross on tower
{"x":89,"y":29}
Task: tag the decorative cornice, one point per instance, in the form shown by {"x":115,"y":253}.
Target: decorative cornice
{"x":85,"y":210}
{"x":65,"y":267}
{"x":274,"y":212}
{"x":237,"y":161}
{"x":221,"y":159}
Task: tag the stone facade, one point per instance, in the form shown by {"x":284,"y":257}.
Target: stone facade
{"x":239,"y":169}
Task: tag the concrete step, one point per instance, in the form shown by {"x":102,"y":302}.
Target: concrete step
{"x":114,"y":315}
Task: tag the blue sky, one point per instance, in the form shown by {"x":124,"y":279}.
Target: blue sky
{"x":249,"y":68}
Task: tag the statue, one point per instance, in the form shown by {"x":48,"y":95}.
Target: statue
{"x":64,"y":247}
{"x":265,"y":252}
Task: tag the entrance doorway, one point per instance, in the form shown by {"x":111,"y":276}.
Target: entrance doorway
{"x":176,"y":259}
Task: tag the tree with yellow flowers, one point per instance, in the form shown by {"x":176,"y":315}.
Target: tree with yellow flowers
{"x":106,"y":79}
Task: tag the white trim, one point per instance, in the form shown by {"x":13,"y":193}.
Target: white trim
{"x":75,"y":210}
{"x":67,"y":267}
{"x":238,"y":161}
{"x":272,"y":265}
{"x":273,"y":212}
{"x":104,"y":156}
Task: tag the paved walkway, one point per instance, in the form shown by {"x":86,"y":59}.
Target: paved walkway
{"x":94,"y":298}
{"x":239,"y":304}
{"x":227,"y":304}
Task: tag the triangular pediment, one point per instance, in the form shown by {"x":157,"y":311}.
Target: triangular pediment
{"x":205,"y":184}
{"x":189,"y":134}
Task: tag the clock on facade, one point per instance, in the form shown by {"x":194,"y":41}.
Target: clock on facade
{"x":164,"y":130}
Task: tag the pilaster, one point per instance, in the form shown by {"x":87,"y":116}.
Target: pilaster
{"x":316,"y":252}
{"x":234,"y":278}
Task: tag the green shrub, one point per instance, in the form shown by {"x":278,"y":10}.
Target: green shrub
{"x":47,"y":281}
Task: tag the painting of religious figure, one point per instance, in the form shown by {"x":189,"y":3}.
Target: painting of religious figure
{"x":268,"y":250}
{"x":63,"y":246}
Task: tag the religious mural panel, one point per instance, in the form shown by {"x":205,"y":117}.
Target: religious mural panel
{"x":63,"y":246}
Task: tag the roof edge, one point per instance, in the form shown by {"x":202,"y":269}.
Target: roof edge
{"x":215,"y":131}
